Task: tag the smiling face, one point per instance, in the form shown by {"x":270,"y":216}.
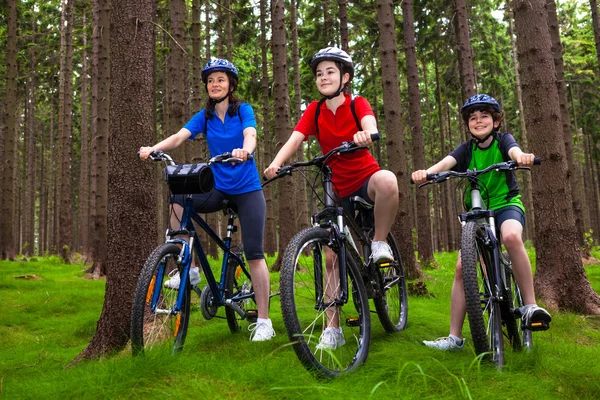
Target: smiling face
{"x":328,"y":78}
{"x":217,"y":85}
{"x":481,"y":123}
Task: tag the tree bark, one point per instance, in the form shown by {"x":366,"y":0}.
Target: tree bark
{"x":287,"y":226}
{"x":560,"y":278}
{"x":572,"y":176}
{"x":131,"y":182}
{"x":394,"y":135}
{"x":84,"y":174}
{"x":465,"y":53}
{"x":65,"y":143}
{"x":424,"y":242}
{"x":100,"y":126}
{"x":7,"y":227}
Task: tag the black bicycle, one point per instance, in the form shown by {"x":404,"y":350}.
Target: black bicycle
{"x":492,"y":296}
{"x":326,"y":284}
{"x":161,"y":315}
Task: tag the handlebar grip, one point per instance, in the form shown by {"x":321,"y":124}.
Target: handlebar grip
{"x":250,"y":157}
{"x":138,"y":154}
{"x":411,"y":181}
{"x":537,"y":161}
{"x":375,"y":136}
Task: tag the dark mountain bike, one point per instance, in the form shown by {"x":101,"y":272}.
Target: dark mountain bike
{"x":160,"y":315}
{"x":492,"y":296}
{"x":327,"y":277}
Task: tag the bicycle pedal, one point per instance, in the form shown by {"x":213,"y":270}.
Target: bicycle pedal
{"x":251,"y":315}
{"x":352,"y":322}
{"x":537,"y":326}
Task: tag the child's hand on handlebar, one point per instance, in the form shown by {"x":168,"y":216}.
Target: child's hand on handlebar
{"x":419,"y":176}
{"x":363,"y":138}
{"x":271,"y":171}
{"x":145,"y":152}
{"x":525,"y":159}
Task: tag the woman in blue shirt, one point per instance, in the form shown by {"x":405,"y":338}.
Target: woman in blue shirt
{"x":229,"y":126}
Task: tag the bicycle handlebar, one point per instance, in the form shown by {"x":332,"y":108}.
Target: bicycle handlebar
{"x":344,"y":148}
{"x":159,"y":155}
{"x":439,"y":177}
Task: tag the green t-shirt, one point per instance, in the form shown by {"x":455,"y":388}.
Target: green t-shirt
{"x":502,"y":188}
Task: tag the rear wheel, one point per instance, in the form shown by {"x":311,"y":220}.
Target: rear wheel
{"x":154,"y":320}
{"x":308,"y":293}
{"x":391,"y":300}
{"x":483,"y":309}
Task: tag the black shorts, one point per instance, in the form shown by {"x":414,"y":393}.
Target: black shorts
{"x":251,"y":211}
{"x":509,"y":212}
{"x":362,"y":192}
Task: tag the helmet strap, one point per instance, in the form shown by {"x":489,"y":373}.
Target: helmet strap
{"x":480,"y":141}
{"x":337,"y":93}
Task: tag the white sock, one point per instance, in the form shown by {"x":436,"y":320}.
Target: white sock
{"x":264,"y":321}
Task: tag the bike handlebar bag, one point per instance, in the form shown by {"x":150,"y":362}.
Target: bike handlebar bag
{"x":189,"y":178}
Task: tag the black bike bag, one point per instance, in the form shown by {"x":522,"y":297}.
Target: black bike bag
{"x":189,"y":178}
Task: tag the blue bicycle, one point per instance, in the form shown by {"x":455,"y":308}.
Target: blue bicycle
{"x":161,"y":316}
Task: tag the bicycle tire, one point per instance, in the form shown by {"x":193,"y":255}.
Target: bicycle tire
{"x":483,"y":311}
{"x":305,"y":320}
{"x":510,"y":301}
{"x":159,"y":327}
{"x":237,"y":284}
{"x":391,"y":300}
{"x":523,"y":337}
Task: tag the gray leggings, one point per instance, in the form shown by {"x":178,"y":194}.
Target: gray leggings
{"x":251,"y":210}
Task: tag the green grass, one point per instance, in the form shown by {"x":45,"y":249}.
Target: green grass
{"x":46,"y":323}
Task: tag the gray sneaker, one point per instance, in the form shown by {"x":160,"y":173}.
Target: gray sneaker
{"x":331,"y":339}
{"x":381,"y":252}
{"x":174,"y":280}
{"x":444,"y":344}
{"x":534,"y":318}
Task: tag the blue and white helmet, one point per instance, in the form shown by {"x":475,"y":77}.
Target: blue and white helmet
{"x":221,"y":65}
{"x":479,"y":100}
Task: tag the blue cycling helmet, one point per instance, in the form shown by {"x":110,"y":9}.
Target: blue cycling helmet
{"x":219,"y":65}
{"x":479,"y":100}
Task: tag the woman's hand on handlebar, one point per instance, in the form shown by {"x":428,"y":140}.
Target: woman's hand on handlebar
{"x":419,"y":176}
{"x":144,"y":152}
{"x":271,"y":171}
{"x":240,"y":153}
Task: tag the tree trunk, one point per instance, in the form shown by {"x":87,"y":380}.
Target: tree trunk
{"x":596,"y":24}
{"x":443,"y":236}
{"x":528,"y":192}
{"x":287,"y":226}
{"x":65,"y":144}
{"x":560,"y":278}
{"x":99,"y":174}
{"x":395,"y":138}
{"x":270,"y":226}
{"x":573,"y":179}
{"x":7,"y":227}
{"x":131,"y":182}
{"x":84,"y":175}
{"x":425,"y":248}
{"x":465,"y":53}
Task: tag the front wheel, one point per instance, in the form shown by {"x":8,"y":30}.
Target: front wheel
{"x":483,"y":309}
{"x":391,"y":300}
{"x":154,"y":318}
{"x":310,"y":286}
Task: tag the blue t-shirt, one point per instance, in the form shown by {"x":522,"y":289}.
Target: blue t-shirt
{"x":223,"y":137}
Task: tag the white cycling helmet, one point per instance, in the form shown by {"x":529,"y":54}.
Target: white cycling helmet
{"x":332,"y":54}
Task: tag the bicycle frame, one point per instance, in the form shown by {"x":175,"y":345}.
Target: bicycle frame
{"x":189,"y":216}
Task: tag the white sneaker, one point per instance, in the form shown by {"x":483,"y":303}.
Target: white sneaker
{"x":261,"y":330}
{"x":174,"y":280}
{"x":381,"y":252}
{"x":444,"y":344}
{"x":331,"y":339}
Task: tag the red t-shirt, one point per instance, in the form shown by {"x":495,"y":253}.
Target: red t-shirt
{"x":349,"y":170}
